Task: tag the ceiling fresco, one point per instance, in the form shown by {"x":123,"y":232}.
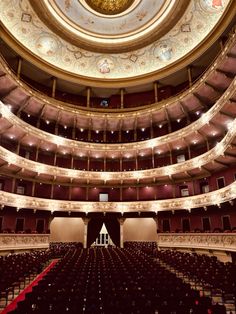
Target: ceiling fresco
{"x":195,"y":24}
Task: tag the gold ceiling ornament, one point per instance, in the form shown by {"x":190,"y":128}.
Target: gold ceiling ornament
{"x":110,"y":7}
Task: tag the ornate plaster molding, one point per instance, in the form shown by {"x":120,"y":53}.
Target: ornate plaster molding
{"x":197,"y":162}
{"x":94,"y":113}
{"x":196,"y":30}
{"x":209,"y":241}
{"x":10,"y":241}
{"x":225,"y":194}
{"x":124,"y":148}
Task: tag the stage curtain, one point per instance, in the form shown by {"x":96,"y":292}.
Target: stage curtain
{"x":94,"y":227}
{"x":113,"y":228}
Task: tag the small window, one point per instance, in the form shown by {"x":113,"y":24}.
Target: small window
{"x":185,"y":225}
{"x":27,"y":155}
{"x":166,"y":225}
{"x":20,"y":189}
{"x":184,"y":191}
{"x":20,"y":224}
{"x":204,"y":187}
{"x":226,"y":223}
{"x":220,"y":182}
{"x":103,"y":197}
{"x":40,"y":225}
{"x":206,"y":226}
{"x":180,"y":158}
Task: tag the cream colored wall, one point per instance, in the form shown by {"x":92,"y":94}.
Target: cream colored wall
{"x":67,"y":230}
{"x":140,"y":229}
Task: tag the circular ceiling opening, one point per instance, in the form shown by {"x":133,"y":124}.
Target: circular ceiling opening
{"x":109,"y":7}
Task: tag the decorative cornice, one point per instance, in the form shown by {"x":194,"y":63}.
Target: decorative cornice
{"x":23,"y":241}
{"x":197,"y":162}
{"x":94,"y":76}
{"x":111,"y":34}
{"x":208,"y":241}
{"x":124,"y":148}
{"x":225,"y":194}
{"x":95,"y":113}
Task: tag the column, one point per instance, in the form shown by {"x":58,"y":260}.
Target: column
{"x":190,"y":81}
{"x":33,"y":189}
{"x":19,"y":65}
{"x":157,"y":222}
{"x":88,"y":96}
{"x":121,"y":221}
{"x":54,"y":84}
{"x":122,"y":98}
{"x":86,"y":221}
{"x":155,"y":85}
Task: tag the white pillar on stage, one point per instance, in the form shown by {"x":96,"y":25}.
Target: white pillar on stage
{"x":86,"y":221}
{"x":121,"y":221}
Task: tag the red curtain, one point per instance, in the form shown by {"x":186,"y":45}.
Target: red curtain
{"x":94,"y":227}
{"x":113,"y":228}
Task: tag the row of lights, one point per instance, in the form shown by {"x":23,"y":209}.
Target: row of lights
{"x":97,"y":131}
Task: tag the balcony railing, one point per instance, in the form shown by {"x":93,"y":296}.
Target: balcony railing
{"x":209,"y":241}
{"x":14,"y":241}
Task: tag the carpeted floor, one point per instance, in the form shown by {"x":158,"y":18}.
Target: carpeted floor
{"x":28,"y":289}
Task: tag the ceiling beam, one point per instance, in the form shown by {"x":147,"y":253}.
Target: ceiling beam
{"x":184,"y":110}
{"x":227,"y":114}
{"x":221,"y":163}
{"x":220,"y":127}
{"x":18,"y":171}
{"x":226,"y":73}
{"x":215,"y":88}
{"x":23,"y":106}
{"x":6,"y":93}
{"x":5,"y":163}
{"x":206,"y":170}
{"x":6,"y":129}
{"x":203,"y":101}
{"x":231,"y":55}
{"x":230,"y":154}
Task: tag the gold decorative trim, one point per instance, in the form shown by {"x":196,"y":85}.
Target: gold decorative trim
{"x":23,"y":241}
{"x":108,"y":177}
{"x":206,"y":241}
{"x":141,"y":79}
{"x":120,"y":113}
{"x":124,"y":148}
{"x":225,"y":194}
{"x":50,"y":14}
{"x":109,"y":7}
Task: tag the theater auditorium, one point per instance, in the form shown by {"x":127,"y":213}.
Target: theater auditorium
{"x":118,"y":157}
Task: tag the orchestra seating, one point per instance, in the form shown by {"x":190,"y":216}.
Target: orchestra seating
{"x":113,"y":280}
{"x":207,"y":270}
{"x":17,"y":270}
{"x":204,"y":271}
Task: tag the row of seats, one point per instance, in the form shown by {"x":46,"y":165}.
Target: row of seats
{"x":17,"y":270}
{"x":206,"y":270}
{"x":113,"y":280}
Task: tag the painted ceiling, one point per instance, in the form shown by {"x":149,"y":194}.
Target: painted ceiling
{"x":111,"y":40}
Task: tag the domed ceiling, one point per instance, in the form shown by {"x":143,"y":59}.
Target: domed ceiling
{"x":110,"y":7}
{"x":106,"y":42}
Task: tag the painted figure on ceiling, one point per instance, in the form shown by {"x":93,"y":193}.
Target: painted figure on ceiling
{"x":217,"y":3}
